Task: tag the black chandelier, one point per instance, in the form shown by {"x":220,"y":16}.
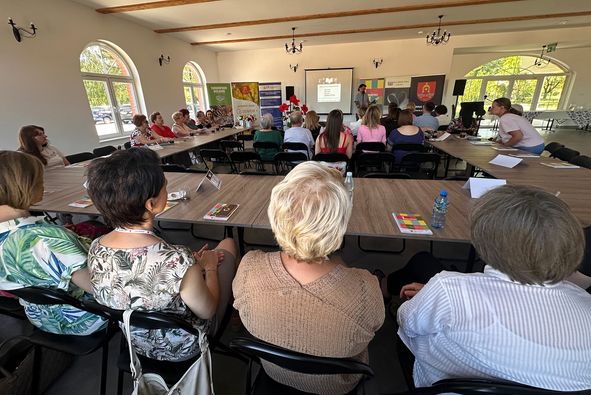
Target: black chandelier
{"x":437,"y":37}
{"x":293,"y":48}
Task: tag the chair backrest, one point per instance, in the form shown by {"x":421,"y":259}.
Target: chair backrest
{"x":248,"y":158}
{"x":414,"y":163}
{"x":103,"y":151}
{"x":370,"y":146}
{"x":141,"y":319}
{"x":397,"y":176}
{"x":482,"y":386}
{"x":410,"y":147}
{"x":442,"y":127}
{"x":296,"y":361}
{"x":45,"y":296}
{"x":257,"y":145}
{"x":285,"y":161}
{"x":80,"y":157}
{"x":553,"y":146}
{"x":127,"y":145}
{"x":581,"y":160}
{"x":565,"y":154}
{"x":295,"y":147}
{"x":245,"y":137}
{"x":374,"y":162}
{"x":209,"y":154}
{"x":231,"y":145}
{"x":331,"y":157}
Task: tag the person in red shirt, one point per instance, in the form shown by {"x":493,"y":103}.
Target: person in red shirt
{"x":159,"y":127}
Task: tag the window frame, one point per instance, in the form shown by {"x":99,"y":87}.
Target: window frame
{"x":200,"y":85}
{"x":109,"y":80}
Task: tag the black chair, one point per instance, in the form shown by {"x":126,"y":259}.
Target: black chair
{"x":104,"y":151}
{"x":231,"y":145}
{"x":69,"y":344}
{"x":443,"y":128}
{"x":370,"y":146}
{"x":12,"y":308}
{"x":171,"y":372}
{"x":483,"y":386}
{"x":246,"y":160}
{"x":80,"y":157}
{"x":372,"y":162}
{"x":244,"y":137}
{"x":552,"y":147}
{"x":258,"y":350}
{"x":332,"y":158}
{"x":296,"y":147}
{"x":285,"y":161}
{"x":581,"y":160}
{"x":565,"y":154}
{"x":261,"y":147}
{"x":420,"y":165}
{"x":217,"y":158}
{"x":127,"y":145}
{"x":410,"y":148}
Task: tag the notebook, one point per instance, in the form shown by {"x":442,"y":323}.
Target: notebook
{"x":221,"y":212}
{"x":412,"y":223}
{"x":561,"y":165}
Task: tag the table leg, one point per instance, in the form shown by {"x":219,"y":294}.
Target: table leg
{"x":241,"y":240}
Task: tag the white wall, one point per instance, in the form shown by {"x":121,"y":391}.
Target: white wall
{"x":40,"y":80}
{"x":405,"y":57}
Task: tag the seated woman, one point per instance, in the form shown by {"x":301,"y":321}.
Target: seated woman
{"x":370,"y":129}
{"x":202,"y":121}
{"x":132,"y":268}
{"x":300,"y":297}
{"x":210,"y":119}
{"x":312,"y":123}
{"x":159,"y":127}
{"x":267,"y":134}
{"x":142,"y":135}
{"x":179,"y":127}
{"x":405,"y":133}
{"x":333,"y":138}
{"x":520,"y":320}
{"x":390,"y":121}
{"x":465,"y":123}
{"x":34,"y":252}
{"x":33,"y":141}
{"x":514,"y":130}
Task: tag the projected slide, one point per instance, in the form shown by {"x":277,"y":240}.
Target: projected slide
{"x":329,"y":89}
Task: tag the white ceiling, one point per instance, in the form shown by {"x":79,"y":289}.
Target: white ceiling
{"x":224,"y":11}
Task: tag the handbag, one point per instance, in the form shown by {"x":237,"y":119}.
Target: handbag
{"x":197,"y":380}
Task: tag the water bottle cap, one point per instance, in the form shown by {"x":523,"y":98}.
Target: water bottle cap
{"x":349,"y":174}
{"x":443,"y":193}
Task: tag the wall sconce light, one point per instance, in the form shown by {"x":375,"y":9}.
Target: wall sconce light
{"x":20,"y":32}
{"x":378,"y":62}
{"x":294,"y":68}
{"x":163,"y":60}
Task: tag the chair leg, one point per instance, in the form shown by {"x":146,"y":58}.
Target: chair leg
{"x":36,"y":370}
{"x":248,"y":390}
{"x":122,"y":345}
{"x":105,"y":359}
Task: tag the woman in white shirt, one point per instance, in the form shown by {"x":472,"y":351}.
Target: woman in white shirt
{"x":514,"y":130}
{"x":33,"y":141}
{"x":179,"y":128}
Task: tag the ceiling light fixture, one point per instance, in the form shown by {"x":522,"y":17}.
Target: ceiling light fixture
{"x":437,"y":37}
{"x":293,"y":48}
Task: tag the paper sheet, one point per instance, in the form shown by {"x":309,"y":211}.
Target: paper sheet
{"x":442,"y":137}
{"x":479,"y":186}
{"x":505,"y":161}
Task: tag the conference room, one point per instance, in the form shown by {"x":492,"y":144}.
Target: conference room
{"x":334,"y":197}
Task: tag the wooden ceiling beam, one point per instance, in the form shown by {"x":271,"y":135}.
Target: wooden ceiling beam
{"x":149,"y":6}
{"x":403,"y":27}
{"x":341,"y":14}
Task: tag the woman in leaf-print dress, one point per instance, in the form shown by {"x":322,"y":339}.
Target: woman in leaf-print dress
{"x":34,"y":252}
{"x":132,"y":268}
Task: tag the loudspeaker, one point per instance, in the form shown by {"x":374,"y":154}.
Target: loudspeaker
{"x":459,"y":87}
{"x":289,"y":92}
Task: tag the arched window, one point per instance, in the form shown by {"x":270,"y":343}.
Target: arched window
{"x":110,"y":88}
{"x":519,"y":79}
{"x":193,"y":83}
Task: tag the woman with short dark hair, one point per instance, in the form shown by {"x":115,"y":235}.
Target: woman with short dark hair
{"x":142,"y":135}
{"x":405,"y":133}
{"x":132,"y":268}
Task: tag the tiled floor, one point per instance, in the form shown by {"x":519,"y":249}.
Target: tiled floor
{"x":229,"y":374}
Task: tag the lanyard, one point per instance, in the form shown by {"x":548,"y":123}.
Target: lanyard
{"x":137,"y":231}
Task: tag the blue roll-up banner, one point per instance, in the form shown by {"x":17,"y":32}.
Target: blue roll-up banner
{"x":270,"y":94}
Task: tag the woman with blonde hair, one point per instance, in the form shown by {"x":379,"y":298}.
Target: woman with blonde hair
{"x":33,"y":141}
{"x":371,"y":130}
{"x":302,"y":297}
{"x":179,"y":127}
{"x":312,"y":123}
{"x":34,"y":252}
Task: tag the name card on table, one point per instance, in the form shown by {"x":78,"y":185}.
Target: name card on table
{"x":212,"y":178}
{"x":505,"y":161}
{"x":479,"y":186}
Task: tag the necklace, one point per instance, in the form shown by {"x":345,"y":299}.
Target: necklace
{"x":137,"y":231}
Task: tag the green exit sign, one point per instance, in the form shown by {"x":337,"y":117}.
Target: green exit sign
{"x":551,"y":47}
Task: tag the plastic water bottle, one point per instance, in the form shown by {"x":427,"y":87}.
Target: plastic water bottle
{"x":349,"y":183}
{"x":439,"y":210}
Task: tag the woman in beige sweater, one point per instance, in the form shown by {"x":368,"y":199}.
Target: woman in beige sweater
{"x":300,"y":298}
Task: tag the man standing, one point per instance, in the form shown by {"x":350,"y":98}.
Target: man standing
{"x":361,"y":99}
